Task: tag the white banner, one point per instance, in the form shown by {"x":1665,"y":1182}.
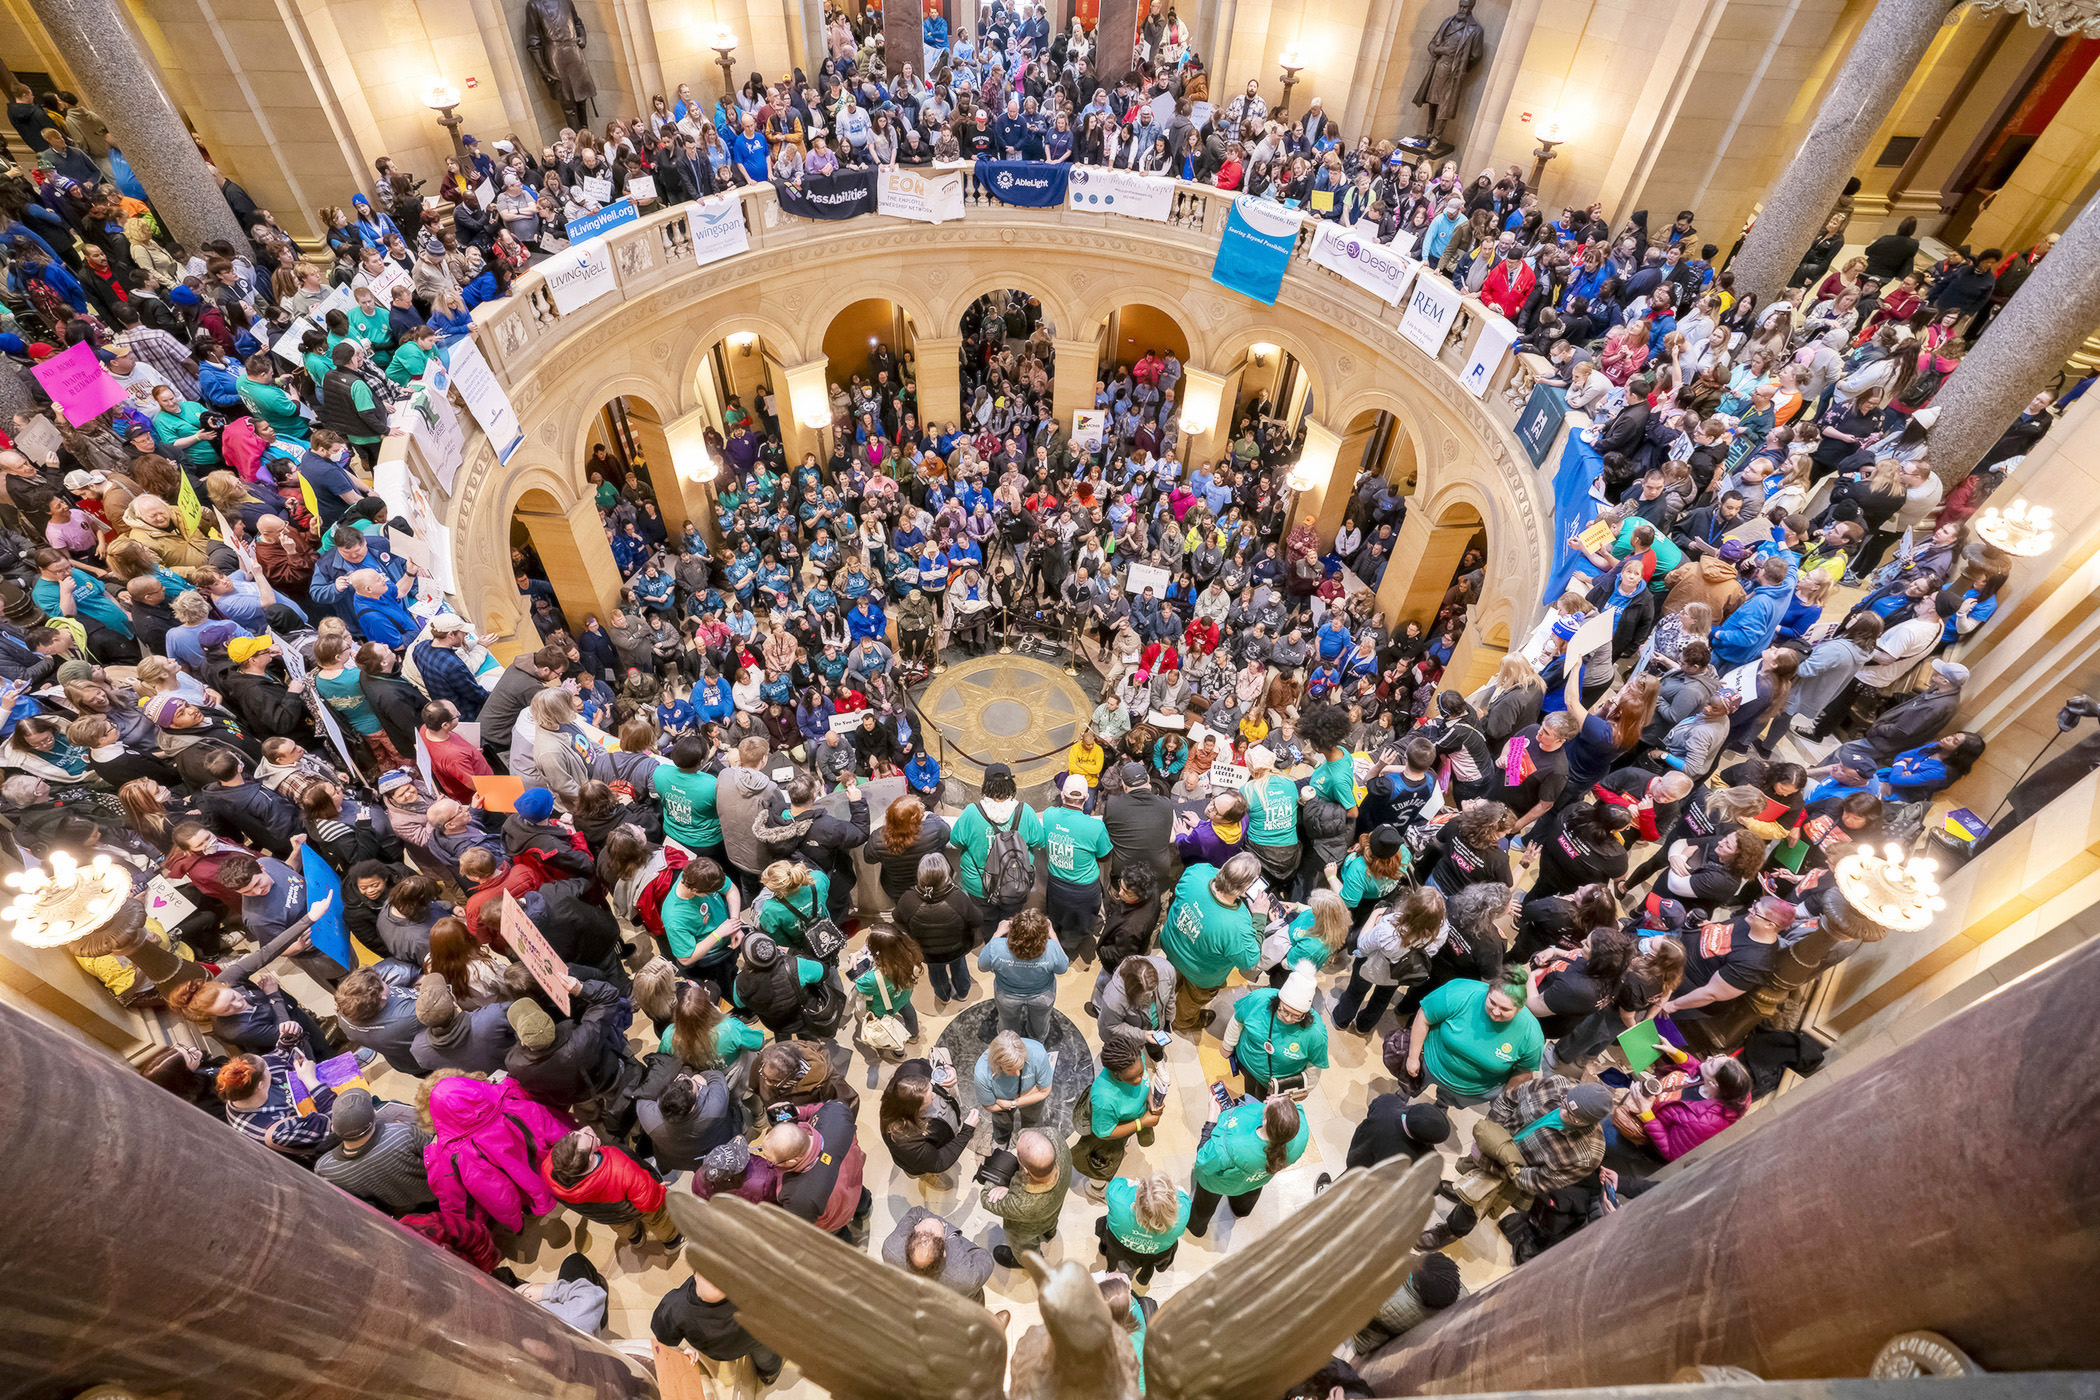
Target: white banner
{"x":929,"y":197}
{"x":1496,"y":336}
{"x":483,"y":394}
{"x":579,"y":276}
{"x":1098,"y":190}
{"x":1431,"y":308}
{"x":1355,"y":254}
{"x":435,"y":427}
{"x":486,"y":193}
{"x":1087,"y":427}
{"x":389,"y":277}
{"x":1143,"y":576}
{"x":717,"y":226}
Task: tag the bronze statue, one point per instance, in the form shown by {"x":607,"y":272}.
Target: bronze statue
{"x":554,"y":35}
{"x":1263,"y":1319}
{"x":1454,"y":50}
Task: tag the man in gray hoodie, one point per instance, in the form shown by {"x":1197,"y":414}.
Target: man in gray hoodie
{"x":745,"y":800}
{"x":473,"y":1041}
{"x":376,"y":1009}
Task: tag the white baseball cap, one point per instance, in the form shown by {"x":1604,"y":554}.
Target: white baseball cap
{"x":1075,"y":786}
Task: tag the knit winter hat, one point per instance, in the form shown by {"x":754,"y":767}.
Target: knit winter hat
{"x":435,"y":1004}
{"x":1426,"y":1123}
{"x":534,"y":1026}
{"x":1299,"y":987}
{"x":535,"y":804}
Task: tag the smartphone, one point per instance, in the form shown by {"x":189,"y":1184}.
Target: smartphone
{"x":1162,"y":1039}
{"x":1259,"y":887}
{"x":939,"y":1056}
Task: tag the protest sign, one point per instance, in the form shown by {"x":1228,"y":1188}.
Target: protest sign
{"x":1496,"y":336}
{"x":585,"y":227}
{"x":330,"y":934}
{"x":1088,"y":427}
{"x":77,"y":383}
{"x":1144,"y":576}
{"x":485,"y":398}
{"x":642,"y":188}
{"x":717,"y":228}
{"x":1255,"y":249}
{"x":532,"y":949}
{"x":596,"y":188}
{"x":1354,"y":254}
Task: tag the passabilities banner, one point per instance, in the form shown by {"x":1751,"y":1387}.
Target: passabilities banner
{"x":1032,"y":184}
{"x":846,"y":195}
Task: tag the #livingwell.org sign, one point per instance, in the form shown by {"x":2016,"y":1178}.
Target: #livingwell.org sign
{"x":588,"y":226}
{"x":1363,"y":260}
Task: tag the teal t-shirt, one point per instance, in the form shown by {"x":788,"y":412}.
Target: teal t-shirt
{"x":1123,"y":1222}
{"x":1115,"y":1101}
{"x":1235,"y":1160}
{"x":690,"y":918}
{"x":885,"y":998}
{"x":972,"y":835}
{"x":1202,"y":938}
{"x":784,"y":920}
{"x":1076,"y":844}
{"x":1270,"y":1047}
{"x":1304,"y":945}
{"x":733,"y":1035}
{"x":688,"y":800}
{"x":90,"y":600}
{"x":1359,"y":884}
{"x":1335,"y":780}
{"x":1470,"y":1051}
{"x":344,"y":694}
{"x":1272,"y":811}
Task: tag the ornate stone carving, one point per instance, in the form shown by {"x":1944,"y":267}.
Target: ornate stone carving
{"x":633,"y":257}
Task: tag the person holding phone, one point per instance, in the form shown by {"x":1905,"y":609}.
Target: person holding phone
{"x":1013,"y":1081}
{"x":922,"y":1123}
{"x":1124,"y":1101}
{"x":1274,"y":1035}
{"x":1244,"y":1146}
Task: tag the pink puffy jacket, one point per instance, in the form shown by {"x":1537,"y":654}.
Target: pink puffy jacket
{"x":488,"y":1142}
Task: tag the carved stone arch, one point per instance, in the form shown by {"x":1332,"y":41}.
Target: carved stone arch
{"x":1100,"y":301}
{"x":1057,"y":302}
{"x":584,"y":401}
{"x":1228,"y":347}
{"x":485,"y":583}
{"x":704,"y":325}
{"x":1414,"y":414}
{"x":823,"y":309}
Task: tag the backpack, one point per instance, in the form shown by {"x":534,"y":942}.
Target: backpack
{"x":1009,"y":867}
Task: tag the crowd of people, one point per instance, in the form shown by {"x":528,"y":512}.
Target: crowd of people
{"x":1284,"y":820}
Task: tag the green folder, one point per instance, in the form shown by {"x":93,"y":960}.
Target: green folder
{"x":1791,"y":854}
{"x":1642,"y":1045}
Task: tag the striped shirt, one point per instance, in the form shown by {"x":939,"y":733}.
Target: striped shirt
{"x":387,"y":1170}
{"x":165,"y":353}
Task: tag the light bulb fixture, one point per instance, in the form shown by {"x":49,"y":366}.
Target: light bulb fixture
{"x":65,"y":901}
{"x":689,"y":455}
{"x":742,"y":342}
{"x":1261,"y":350}
{"x":1894,"y":890}
{"x":1292,"y":61}
{"x":723,"y":40}
{"x":1302,"y":477}
{"x":2023,"y":531}
{"x":440,"y":95}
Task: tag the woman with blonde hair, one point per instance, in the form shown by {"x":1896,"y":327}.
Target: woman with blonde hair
{"x":1511,"y":700}
{"x":1146,"y":1219}
{"x":798,"y":896}
{"x":1314,"y":934}
{"x":1694,"y":622}
{"x":552,"y":750}
{"x":154,"y":812}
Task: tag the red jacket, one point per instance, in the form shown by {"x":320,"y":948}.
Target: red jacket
{"x":1201,"y":635}
{"x":454,"y":764}
{"x":649,"y":900}
{"x":519,"y":877}
{"x":617,"y":1177}
{"x":1507,"y":290}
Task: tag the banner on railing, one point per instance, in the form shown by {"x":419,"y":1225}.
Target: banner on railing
{"x":1539,"y":423}
{"x":1032,"y":184}
{"x":1353,"y":253}
{"x":1098,"y":190}
{"x":1496,"y":336}
{"x":1255,"y":249}
{"x":482,"y":393}
{"x":1089,"y":426}
{"x":717,"y":227}
{"x":588,"y":226}
{"x":579,"y":276}
{"x":931,"y":197}
{"x":846,"y":195}
{"x":1431,"y":308}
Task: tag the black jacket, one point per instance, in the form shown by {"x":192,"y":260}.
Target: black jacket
{"x":1627,"y":429}
{"x":398,"y":705}
{"x":822,"y":842}
{"x":587,"y":1058}
{"x":514,"y":691}
{"x":1126,"y":929}
{"x":933,"y":1148}
{"x":580,"y":932}
{"x":252,"y":813}
{"x":267,"y":708}
{"x":710,"y":1328}
{"x":900,"y":868}
{"x":1141,"y":824}
{"x":946,"y":928}
{"x":339,"y":409}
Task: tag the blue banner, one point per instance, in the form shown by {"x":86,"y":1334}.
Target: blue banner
{"x":1573,"y":508}
{"x":1033,"y":184}
{"x":587,"y":226}
{"x":1256,"y":249}
{"x":330,"y":934}
{"x":1540,"y":421}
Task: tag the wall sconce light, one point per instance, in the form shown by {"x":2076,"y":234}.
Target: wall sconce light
{"x":1261,"y":350}
{"x":2023,"y":530}
{"x":65,"y":900}
{"x":809,"y":396}
{"x":1897,"y":893}
{"x":1203,"y":393}
{"x":441,"y":97}
{"x":1293,"y":63}
{"x":689,"y":455}
{"x":723,"y":42}
{"x":1551,"y":134}
{"x":1315,"y":465}
{"x":742,"y":342}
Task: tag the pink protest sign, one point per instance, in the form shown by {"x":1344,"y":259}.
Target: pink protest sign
{"x":78,"y":384}
{"x":531,"y":947}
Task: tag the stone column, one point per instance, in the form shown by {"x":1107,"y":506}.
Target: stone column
{"x":808,"y":409}
{"x":1115,"y":39}
{"x":2021,"y":350}
{"x":124,"y":85}
{"x":651,"y":439}
{"x":1888,"y":50}
{"x":903,"y":38}
{"x":1072,"y":388}
{"x":1868,"y":1222}
{"x":579,"y":560}
{"x":1202,"y":397}
{"x":940,"y":379}
{"x":1503,"y":67}
{"x":1418,"y":574}
{"x":285,"y":1250}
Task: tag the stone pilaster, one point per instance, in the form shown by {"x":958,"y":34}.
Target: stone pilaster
{"x":124,"y":85}
{"x":939,"y":379}
{"x":1881,"y":61}
{"x":2021,"y":351}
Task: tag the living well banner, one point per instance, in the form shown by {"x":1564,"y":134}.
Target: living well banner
{"x":1032,"y":184}
{"x":1362,"y":259}
{"x":846,"y":195}
{"x":1255,"y":249}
